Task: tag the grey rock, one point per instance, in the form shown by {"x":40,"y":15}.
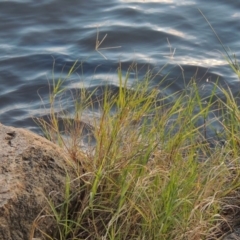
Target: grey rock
{"x":235,"y":235}
{"x":31,"y":170}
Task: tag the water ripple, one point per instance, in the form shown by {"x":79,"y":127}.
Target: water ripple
{"x":39,"y":37}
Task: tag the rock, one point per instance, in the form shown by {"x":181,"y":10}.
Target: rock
{"x":235,"y":235}
{"x":31,"y":170}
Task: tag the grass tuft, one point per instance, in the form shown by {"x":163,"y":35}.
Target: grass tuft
{"x":152,"y":172}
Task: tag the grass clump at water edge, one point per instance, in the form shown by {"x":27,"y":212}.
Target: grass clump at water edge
{"x":152,"y":173}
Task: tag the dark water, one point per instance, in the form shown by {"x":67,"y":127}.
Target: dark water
{"x":35,"y":35}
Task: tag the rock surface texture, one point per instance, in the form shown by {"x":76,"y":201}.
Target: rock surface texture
{"x":31,"y":170}
{"x":235,"y":235}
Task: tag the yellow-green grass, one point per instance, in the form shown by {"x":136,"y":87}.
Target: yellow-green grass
{"x":152,"y":173}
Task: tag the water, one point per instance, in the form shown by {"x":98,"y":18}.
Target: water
{"x":39,"y":37}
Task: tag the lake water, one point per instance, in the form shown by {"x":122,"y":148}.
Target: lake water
{"x":41,"y":37}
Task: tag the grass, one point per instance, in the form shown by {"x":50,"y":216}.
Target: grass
{"x":153,"y":173}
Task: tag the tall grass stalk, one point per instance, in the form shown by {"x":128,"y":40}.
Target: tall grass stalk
{"x":152,"y":173}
